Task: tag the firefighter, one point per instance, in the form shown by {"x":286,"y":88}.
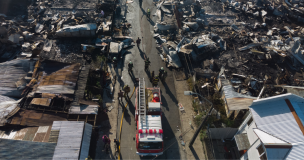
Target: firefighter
{"x":148,"y":13}
{"x":161,"y":72}
{"x":124,"y":29}
{"x":147,"y":63}
{"x":126,"y":89}
{"x":130,"y":66}
{"x":138,"y":42}
{"x":120,"y":95}
{"x":155,"y":81}
{"x":114,"y":61}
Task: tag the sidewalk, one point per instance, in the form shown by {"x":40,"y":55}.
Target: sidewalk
{"x":109,"y":127}
{"x":197,"y":152}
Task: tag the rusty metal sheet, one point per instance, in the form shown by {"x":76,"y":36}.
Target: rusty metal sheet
{"x":47,"y":135}
{"x":47,"y":95}
{"x":65,"y":76}
{"x":39,"y":137}
{"x":20,"y":134}
{"x":34,"y":115}
{"x":16,"y":121}
{"x":41,"y":101}
{"x":30,"y":134}
{"x":43,"y":129}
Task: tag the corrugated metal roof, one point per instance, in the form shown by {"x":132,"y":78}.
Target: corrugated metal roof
{"x":69,"y":139}
{"x":11,"y":72}
{"x":296,"y":152}
{"x":273,"y":116}
{"x":6,"y":108}
{"x":6,"y":98}
{"x":62,"y":81}
{"x":83,"y":109}
{"x":84,"y":152}
{"x":235,"y":100}
{"x":15,"y":149}
{"x":27,"y":134}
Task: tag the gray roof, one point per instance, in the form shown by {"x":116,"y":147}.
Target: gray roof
{"x":11,"y":72}
{"x":26,"y":149}
{"x":273,"y":116}
{"x":84,"y":153}
{"x":235,"y":100}
{"x":70,"y":139}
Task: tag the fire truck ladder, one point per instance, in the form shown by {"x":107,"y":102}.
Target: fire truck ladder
{"x":142,"y":103}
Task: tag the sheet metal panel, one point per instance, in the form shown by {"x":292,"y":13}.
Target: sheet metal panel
{"x":42,"y":129}
{"x":276,"y":119}
{"x":84,"y":152}
{"x":273,"y":116}
{"x":296,"y":152}
{"x":84,"y":109}
{"x":235,"y":100}
{"x":47,"y":135}
{"x":30,"y":134}
{"x":11,"y":135}
{"x":39,"y":137}
{"x":20,"y":134}
{"x":69,"y":139}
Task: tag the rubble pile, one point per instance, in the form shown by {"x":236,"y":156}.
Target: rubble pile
{"x":56,"y":30}
{"x":256,"y":43}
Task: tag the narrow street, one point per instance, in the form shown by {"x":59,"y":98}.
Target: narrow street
{"x":143,"y":28}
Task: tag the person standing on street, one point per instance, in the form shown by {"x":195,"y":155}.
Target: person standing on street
{"x":124,"y":29}
{"x":155,"y":81}
{"x":130,"y":66}
{"x":148,"y":13}
{"x":138,"y":42}
{"x":126,"y":89}
{"x":147,"y":64}
{"x":161,"y":72}
{"x":114,"y":62}
{"x":120,"y":95}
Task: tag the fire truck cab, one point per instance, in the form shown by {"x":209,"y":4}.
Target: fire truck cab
{"x":149,"y":133}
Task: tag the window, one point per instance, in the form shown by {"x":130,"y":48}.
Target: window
{"x":250,"y":121}
{"x":262,"y":152}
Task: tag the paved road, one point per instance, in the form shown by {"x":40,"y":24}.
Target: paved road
{"x":141,"y":27}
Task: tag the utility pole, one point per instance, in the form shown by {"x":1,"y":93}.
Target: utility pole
{"x":204,"y":120}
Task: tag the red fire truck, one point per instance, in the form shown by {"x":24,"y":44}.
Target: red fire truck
{"x":149,"y":133}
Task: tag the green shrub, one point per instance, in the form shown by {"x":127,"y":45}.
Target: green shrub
{"x":198,"y":119}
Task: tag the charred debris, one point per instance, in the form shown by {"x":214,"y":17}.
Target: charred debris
{"x":49,"y":49}
{"x":254,"y":48}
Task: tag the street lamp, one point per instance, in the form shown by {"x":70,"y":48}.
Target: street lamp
{"x":189,"y":93}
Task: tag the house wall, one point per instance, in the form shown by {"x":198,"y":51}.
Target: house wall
{"x":228,"y":112}
{"x":244,"y":128}
{"x":252,"y":152}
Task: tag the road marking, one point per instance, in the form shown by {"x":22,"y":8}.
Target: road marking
{"x":121,"y":123}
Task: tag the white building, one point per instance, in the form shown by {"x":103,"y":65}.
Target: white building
{"x":274,"y":129}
